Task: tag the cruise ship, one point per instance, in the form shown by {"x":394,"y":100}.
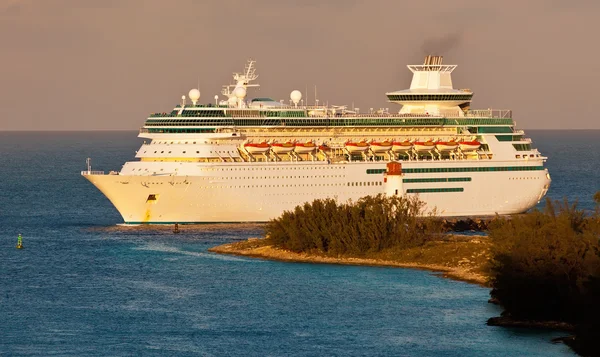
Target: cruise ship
{"x":235,"y":159}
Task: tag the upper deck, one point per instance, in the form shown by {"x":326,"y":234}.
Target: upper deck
{"x":431,"y":102}
{"x":318,"y":116}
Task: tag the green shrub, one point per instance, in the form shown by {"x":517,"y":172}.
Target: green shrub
{"x":546,"y":264}
{"x":369,"y":225}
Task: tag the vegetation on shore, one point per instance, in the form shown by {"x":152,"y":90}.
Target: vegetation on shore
{"x":546,"y":267}
{"x":370,"y":225}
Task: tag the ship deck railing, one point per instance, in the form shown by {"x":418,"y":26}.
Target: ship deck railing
{"x":325,"y":112}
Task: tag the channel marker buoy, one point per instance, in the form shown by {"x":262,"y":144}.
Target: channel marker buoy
{"x":19,"y":242}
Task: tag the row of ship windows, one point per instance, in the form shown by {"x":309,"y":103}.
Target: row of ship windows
{"x":272,"y":177}
{"x":197,"y":152}
{"x":375,"y":171}
{"x":365,"y":183}
{"x":406,"y":119}
{"x":352,"y":184}
{"x":436,"y":190}
{"x":179,"y":143}
{"x":273,"y":168}
{"x":275,"y":186}
{"x":428,"y":180}
{"x":522,"y":147}
{"x":461,"y":169}
{"x":473,"y":169}
{"x":326,"y":122}
{"x":265,"y":169}
{"x":259,"y":177}
{"x":429,"y":97}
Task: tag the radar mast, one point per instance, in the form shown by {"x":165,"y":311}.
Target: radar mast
{"x":242,"y":80}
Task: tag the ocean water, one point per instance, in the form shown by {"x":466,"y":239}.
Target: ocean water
{"x":86,"y":286}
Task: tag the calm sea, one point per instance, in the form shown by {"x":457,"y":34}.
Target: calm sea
{"x":85,"y":286}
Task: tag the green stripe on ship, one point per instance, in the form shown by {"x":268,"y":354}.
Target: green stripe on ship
{"x":460,"y":169}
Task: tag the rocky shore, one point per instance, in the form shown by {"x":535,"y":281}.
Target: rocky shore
{"x":457,"y":257}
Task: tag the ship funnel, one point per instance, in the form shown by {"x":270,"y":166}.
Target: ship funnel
{"x":433,"y":60}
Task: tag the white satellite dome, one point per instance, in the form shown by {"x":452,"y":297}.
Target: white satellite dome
{"x":240,"y":92}
{"x":232,"y":101}
{"x":295,"y":96}
{"x":194,"y":95}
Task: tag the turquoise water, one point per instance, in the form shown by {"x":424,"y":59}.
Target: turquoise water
{"x":85,"y":286}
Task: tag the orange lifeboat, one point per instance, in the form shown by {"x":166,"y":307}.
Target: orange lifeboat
{"x":446,"y":145}
{"x":356,"y":147}
{"x":305,"y":148}
{"x":257,"y":148}
{"x":282,"y":148}
{"x":401,"y":146}
{"x":381,"y":146}
{"x":469,"y":145}
{"x":424,"y":145}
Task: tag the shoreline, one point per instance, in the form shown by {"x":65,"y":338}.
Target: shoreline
{"x":457,"y":267}
{"x":452,"y":265}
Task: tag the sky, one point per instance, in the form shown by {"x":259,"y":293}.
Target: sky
{"x":108,"y":64}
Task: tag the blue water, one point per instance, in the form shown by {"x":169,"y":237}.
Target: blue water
{"x":85,"y":286}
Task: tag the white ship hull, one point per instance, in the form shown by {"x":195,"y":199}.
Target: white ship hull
{"x":262,"y":191}
{"x":226,"y":162}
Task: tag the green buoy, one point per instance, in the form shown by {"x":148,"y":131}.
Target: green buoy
{"x":19,"y":242}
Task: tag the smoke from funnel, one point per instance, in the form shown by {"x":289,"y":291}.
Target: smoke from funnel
{"x":441,"y":45}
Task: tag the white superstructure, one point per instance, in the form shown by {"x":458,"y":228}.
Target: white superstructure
{"x":236,"y":160}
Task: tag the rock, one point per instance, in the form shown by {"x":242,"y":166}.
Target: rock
{"x":494,"y":301}
{"x":508,"y":321}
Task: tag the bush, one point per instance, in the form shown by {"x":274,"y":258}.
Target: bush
{"x":544,"y":262}
{"x":370,"y":225}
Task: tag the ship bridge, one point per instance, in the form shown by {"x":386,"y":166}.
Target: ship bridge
{"x":431,"y":91}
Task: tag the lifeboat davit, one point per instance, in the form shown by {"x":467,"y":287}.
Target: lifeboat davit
{"x":305,"y":148}
{"x":424,"y":145}
{"x":381,"y":146}
{"x":469,"y":145}
{"x":324,"y":147}
{"x":356,"y":147}
{"x":446,"y":145}
{"x":401,"y":146}
{"x":282,"y":148}
{"x":257,"y":148}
